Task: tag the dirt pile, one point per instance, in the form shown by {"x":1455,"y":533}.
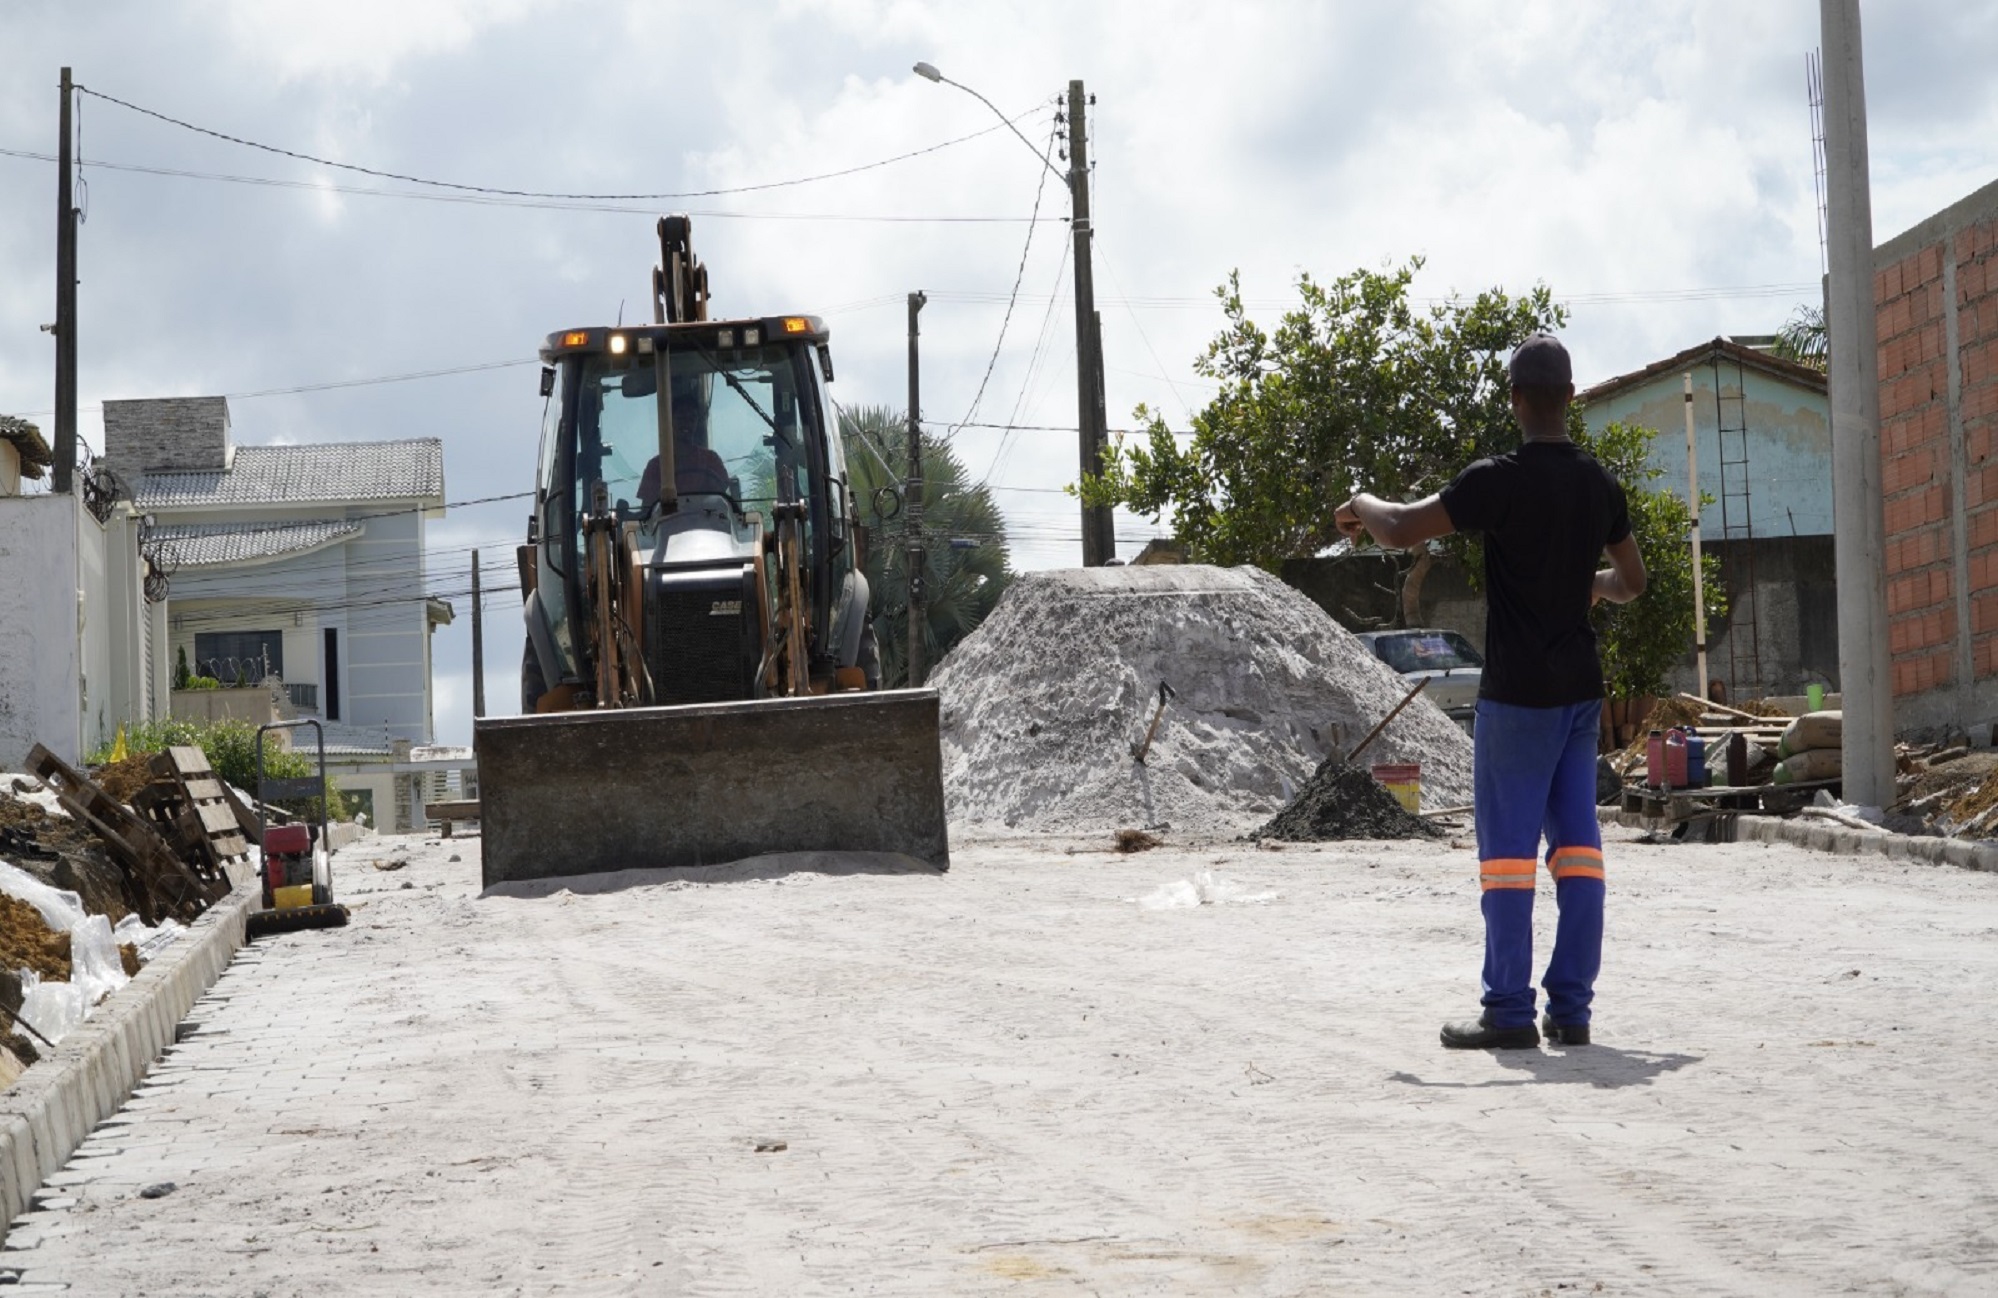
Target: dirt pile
{"x":123,"y":779}
{"x":62,"y":854}
{"x":1044,"y":704}
{"x":1341,"y":801}
{"x":27,"y":942}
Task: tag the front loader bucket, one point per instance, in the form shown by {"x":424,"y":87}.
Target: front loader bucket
{"x":571,"y":793}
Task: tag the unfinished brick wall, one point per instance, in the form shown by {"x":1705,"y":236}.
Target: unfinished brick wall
{"x":1937,"y":293}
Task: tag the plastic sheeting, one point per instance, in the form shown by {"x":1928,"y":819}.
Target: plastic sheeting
{"x":60,"y":909}
{"x":54,"y":1008}
{"x":23,"y":787}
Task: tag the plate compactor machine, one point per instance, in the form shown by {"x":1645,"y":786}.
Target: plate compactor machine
{"x":297,"y":869}
{"x":699,"y":682}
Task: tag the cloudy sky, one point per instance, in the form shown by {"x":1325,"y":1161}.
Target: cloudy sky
{"x":1650,"y":163}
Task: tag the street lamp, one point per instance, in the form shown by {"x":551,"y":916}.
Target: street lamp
{"x":1099,"y":542}
{"x":928,"y":71}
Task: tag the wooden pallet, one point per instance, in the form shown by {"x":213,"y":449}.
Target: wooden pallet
{"x":449,"y":814}
{"x":1675,"y":805}
{"x":162,"y":883}
{"x":192,"y":810}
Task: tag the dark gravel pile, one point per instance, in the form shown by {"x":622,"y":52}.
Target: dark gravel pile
{"x":1341,"y":801}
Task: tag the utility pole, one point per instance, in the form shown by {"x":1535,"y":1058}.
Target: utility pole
{"x":1864,"y":665}
{"x":1693,"y":507}
{"x":65,"y":323}
{"x":478,"y":644}
{"x":912,"y":504}
{"x":1099,"y":544}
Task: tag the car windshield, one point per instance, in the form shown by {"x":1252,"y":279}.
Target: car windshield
{"x":736,"y":428}
{"x":1426,"y":651}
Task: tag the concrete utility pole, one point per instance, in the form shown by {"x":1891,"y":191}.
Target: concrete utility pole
{"x":478,"y":644}
{"x":1699,"y":575}
{"x":1099,"y":541}
{"x":912,"y":504}
{"x":65,"y":322}
{"x":1864,"y":665}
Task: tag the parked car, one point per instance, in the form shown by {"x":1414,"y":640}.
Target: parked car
{"x":1445,"y":658}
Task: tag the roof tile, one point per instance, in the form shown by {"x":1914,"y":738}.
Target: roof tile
{"x":334,"y":471}
{"x":209,"y":544}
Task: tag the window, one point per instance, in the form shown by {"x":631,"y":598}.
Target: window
{"x":737,"y":421}
{"x":1426,"y":651}
{"x":248,"y":655}
{"x":332,"y":674}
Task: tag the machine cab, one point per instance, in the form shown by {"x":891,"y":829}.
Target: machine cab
{"x":694,"y":435}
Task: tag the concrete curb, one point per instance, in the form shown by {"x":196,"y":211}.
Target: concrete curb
{"x":47,"y":1113}
{"x":1826,"y":837}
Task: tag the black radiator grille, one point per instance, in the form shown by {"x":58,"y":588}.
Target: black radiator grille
{"x":699,"y":636}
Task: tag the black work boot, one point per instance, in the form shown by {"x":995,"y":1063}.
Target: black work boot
{"x":1481,"y":1035}
{"x":1564,"y":1034}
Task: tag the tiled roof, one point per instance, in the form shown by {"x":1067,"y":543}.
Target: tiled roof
{"x":1802,"y":376}
{"x":209,"y":544}
{"x":27,"y":439}
{"x":335,"y":471}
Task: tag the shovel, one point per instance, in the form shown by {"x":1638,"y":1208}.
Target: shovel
{"x":1139,"y":750}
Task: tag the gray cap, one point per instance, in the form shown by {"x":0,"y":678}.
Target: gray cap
{"x":1541,"y":362}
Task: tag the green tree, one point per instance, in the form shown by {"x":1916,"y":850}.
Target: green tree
{"x":1805,"y":339}
{"x":1642,"y":641}
{"x":1357,"y":388}
{"x":966,"y":564}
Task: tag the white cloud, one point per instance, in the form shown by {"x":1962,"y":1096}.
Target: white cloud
{"x":364,"y":40}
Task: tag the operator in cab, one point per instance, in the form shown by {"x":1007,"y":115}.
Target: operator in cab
{"x":697,"y":470}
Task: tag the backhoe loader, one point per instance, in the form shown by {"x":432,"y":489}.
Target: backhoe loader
{"x":698,"y":682}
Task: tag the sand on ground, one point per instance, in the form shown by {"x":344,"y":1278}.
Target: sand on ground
{"x":1014,"y":1078}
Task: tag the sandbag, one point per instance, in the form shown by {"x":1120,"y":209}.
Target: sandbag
{"x":1812,"y":731}
{"x":1811,"y":764}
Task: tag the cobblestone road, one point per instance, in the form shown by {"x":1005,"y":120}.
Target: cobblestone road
{"x":1013,"y":1078}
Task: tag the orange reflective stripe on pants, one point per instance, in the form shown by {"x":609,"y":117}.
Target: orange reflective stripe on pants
{"x":1576,"y":863}
{"x":1508,"y":872}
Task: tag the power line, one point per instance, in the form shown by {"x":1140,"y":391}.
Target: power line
{"x":1140,"y":326}
{"x":1034,"y":363}
{"x":1603,"y":298}
{"x":328,"y":385}
{"x":497,"y":191}
{"x":556,"y":205}
{"x":1019,"y":278}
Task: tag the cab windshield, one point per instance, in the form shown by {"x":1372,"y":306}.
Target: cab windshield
{"x":737,"y":428}
{"x":1426,"y":651}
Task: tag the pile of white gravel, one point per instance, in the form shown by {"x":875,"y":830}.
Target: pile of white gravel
{"x":1044,"y":702}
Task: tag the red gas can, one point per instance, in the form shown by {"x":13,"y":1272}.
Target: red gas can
{"x":1665,"y":764}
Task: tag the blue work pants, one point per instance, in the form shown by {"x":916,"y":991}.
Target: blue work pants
{"x":1536,"y":778}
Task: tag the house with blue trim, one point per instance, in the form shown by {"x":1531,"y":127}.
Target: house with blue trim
{"x":299,"y":568}
{"x":1762,"y":451}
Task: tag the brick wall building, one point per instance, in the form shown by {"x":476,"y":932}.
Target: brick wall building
{"x":1936,"y":286}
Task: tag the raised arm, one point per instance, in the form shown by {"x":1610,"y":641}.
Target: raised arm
{"x":1623,"y":581}
{"x":1396,"y":526}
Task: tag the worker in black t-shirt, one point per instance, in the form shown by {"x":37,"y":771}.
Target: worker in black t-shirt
{"x":1547,"y":513}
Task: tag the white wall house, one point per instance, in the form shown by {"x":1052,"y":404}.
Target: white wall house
{"x":74,"y":618}
{"x":300,"y":562}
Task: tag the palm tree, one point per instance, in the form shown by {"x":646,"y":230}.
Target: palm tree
{"x":965,"y":566}
{"x":1805,"y":338}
